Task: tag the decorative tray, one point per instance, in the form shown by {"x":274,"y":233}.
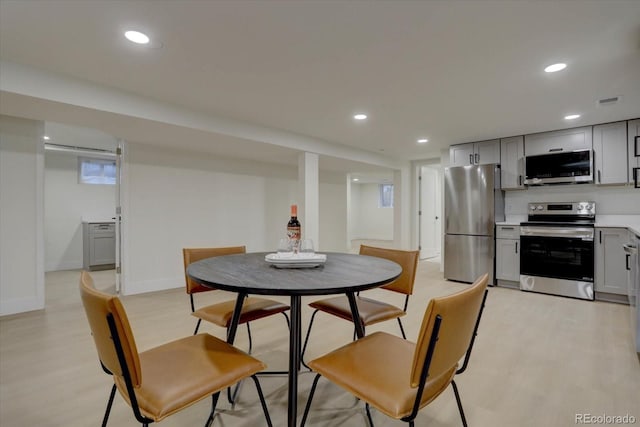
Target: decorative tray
{"x":300,"y":260}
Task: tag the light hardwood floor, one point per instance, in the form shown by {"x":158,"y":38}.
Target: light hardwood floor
{"x":539,"y":360}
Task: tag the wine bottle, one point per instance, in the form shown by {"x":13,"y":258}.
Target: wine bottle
{"x":293,"y":228}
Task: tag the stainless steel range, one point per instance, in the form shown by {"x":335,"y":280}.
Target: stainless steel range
{"x":557,"y":249}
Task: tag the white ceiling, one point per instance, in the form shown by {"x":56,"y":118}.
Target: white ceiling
{"x":450,"y":71}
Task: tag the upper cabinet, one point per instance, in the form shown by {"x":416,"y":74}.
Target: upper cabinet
{"x":634,"y":152}
{"x":560,"y":140}
{"x":475,"y":153}
{"x":610,"y":153}
{"x":512,"y":163}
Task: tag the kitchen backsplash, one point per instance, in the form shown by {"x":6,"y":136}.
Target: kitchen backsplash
{"x":609,"y":200}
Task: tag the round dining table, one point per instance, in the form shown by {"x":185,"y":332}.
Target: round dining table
{"x":250,"y":273}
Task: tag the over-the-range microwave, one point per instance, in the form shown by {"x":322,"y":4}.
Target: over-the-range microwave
{"x":561,"y":167}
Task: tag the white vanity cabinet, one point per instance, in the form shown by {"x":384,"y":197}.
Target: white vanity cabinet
{"x":508,"y":255}
{"x":99,"y":245}
{"x":610,"y":270}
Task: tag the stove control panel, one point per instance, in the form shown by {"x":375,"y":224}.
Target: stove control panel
{"x":586,"y":209}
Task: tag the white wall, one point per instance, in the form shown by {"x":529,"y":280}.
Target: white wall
{"x":368,"y":220}
{"x":333,"y":217}
{"x":21,"y":226}
{"x":66,"y":203}
{"x":179,"y":199}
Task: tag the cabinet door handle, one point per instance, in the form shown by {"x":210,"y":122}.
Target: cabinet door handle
{"x":626,"y":261}
{"x":636,"y":184}
{"x":599,"y":177}
{"x":477,"y":158}
{"x":600,"y":238}
{"x":636,"y":151}
{"x":516,"y":247}
{"x":470,"y":159}
{"x":507,"y":228}
{"x":553,"y":150}
{"x":520,"y":180}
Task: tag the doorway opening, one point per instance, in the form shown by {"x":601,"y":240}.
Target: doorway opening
{"x":81,"y":196}
{"x":430,"y":211}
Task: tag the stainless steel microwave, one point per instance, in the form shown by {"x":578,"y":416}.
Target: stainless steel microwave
{"x":562,"y":167}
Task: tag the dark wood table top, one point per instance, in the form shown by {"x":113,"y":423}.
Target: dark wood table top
{"x":250,"y":273}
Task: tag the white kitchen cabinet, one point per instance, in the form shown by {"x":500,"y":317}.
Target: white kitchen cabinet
{"x":512,"y":163}
{"x":610,"y":153}
{"x":508,"y":255}
{"x":633,"y":135}
{"x":99,"y":245}
{"x":475,"y":153}
{"x":611,"y":273}
{"x":560,"y":140}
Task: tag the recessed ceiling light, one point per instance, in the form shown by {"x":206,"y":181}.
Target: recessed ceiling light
{"x":360,"y":116}
{"x":356,"y":179}
{"x":137,"y":37}
{"x":423,"y":141}
{"x":572,"y":116}
{"x":555,"y":67}
{"x":46,"y":138}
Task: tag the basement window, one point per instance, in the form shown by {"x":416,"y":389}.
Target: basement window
{"x":385,"y":199}
{"x":96,"y":171}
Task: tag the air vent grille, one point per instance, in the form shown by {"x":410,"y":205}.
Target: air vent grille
{"x":609,"y":101}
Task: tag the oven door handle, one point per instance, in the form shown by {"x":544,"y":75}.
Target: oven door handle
{"x":574,"y":232}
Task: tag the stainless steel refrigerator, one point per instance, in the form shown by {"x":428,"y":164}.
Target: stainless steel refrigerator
{"x":473,"y":203}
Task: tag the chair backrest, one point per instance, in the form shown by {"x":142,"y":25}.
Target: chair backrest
{"x":99,"y":307}
{"x":190,"y":255}
{"x":408,"y":260}
{"x":459,"y":314}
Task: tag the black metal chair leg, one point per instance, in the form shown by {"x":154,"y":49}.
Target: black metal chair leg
{"x":308,"y":405}
{"x":262,"y":401}
{"x":366,"y":407}
{"x":214,"y":403}
{"x":355,"y":335}
{"x":197,"y":326}
{"x":108,"y":411}
{"x":232,"y":394}
{"x":306,"y":339}
{"x":455,"y":391}
{"x":401,"y":329}
{"x":287,"y":318}
{"x":250,"y":342}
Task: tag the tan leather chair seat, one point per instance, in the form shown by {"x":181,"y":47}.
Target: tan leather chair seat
{"x":362,"y":369}
{"x":253,"y":308}
{"x":371,"y":311}
{"x":177,"y":374}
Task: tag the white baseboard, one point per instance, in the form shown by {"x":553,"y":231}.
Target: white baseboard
{"x":20,"y":305}
{"x":63,"y":265}
{"x":144,"y":286}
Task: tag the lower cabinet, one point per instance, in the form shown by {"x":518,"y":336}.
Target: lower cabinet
{"x":508,"y":255}
{"x":99,"y":245}
{"x":611,"y":274}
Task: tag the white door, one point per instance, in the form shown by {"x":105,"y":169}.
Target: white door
{"x":118,"y":215}
{"x":430,"y":211}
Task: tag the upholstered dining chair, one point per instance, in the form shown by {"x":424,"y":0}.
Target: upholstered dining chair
{"x":165,"y":379}
{"x":399,"y":377}
{"x":373,"y":311}
{"x":253,"y":308}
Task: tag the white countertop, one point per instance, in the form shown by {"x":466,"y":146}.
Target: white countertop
{"x":98,"y":220}
{"x":630,"y":222}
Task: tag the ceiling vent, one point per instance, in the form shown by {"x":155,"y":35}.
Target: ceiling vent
{"x":608,"y":101}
